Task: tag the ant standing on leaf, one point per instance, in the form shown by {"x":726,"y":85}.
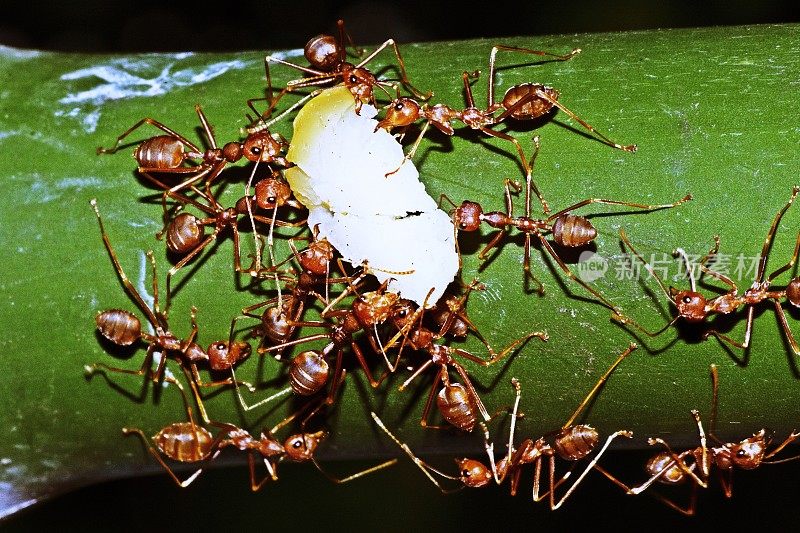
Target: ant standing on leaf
{"x":526,"y":101}
{"x":694,"y":307}
{"x":124,"y":329}
{"x":568,"y":230}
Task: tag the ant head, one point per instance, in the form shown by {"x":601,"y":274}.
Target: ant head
{"x":222,"y":355}
{"x":691,"y":305}
{"x":749,"y":453}
{"x":467,"y":216}
{"x":374,"y":307}
{"x":261,"y":147}
{"x":402,"y":311}
{"x":793,"y":292}
{"x":359,"y":81}
{"x":472,"y":473}
{"x":669,"y":474}
{"x":323,"y":52}
{"x":301,"y":447}
{"x":401,"y":112}
{"x":316,"y":258}
{"x":272,"y":192}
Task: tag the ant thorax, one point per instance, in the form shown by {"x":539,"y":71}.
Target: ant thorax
{"x":366,"y":199}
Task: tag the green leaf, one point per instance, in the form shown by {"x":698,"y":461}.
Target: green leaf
{"x":710,"y":109}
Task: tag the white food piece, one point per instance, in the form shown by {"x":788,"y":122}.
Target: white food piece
{"x":388,"y":222}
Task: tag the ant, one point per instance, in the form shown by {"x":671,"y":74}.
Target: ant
{"x":309,"y":371}
{"x":695,"y":465}
{"x":571,"y":443}
{"x":327,"y":56}
{"x":185,"y":232}
{"x":123,"y":328}
{"x":568,"y":230}
{"x":694,"y":307}
{"x":458,"y":403}
{"x":526,"y":101}
{"x":188,"y":442}
{"x":166,"y":154}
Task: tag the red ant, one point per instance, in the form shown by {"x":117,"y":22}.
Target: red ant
{"x":571,"y":443}
{"x":327,"y":56}
{"x":568,"y":230}
{"x":695,"y":465}
{"x":459,"y":404}
{"x":166,"y":154}
{"x":124,"y":329}
{"x":694,"y":307}
{"x":187,"y":442}
{"x":185,"y":232}
{"x":526,"y":101}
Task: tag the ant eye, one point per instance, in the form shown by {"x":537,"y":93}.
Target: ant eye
{"x":297,"y":444}
{"x":687,"y":300}
{"x":399,"y":106}
{"x":272,"y":199}
{"x":463,"y":225}
{"x":465,"y":473}
{"x":740,"y":453}
{"x":220,"y":346}
{"x":353,"y":79}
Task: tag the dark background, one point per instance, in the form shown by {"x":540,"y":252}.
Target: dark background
{"x":221,"y":499}
{"x":156,"y":25}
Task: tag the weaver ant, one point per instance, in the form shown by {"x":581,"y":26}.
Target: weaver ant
{"x":459,"y":403}
{"x":166,"y":154}
{"x":526,"y":101}
{"x":327,"y":56}
{"x":188,"y":442}
{"x":571,"y":443}
{"x":123,"y":328}
{"x":185,"y":232}
{"x":694,"y":307}
{"x":568,"y":230}
{"x":694,"y":465}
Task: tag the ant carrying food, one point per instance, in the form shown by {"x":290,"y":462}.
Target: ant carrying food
{"x":694,"y":307}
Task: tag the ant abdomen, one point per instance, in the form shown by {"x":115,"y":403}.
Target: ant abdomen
{"x":669,"y":474}
{"x":793,"y":292}
{"x":322,"y":52}
{"x":184,"y":233}
{"x":308,"y":373}
{"x":573,"y":231}
{"x":456,"y":406}
{"x":184,"y":441}
{"x":162,"y":152}
{"x":576,"y":442}
{"x":120,"y":327}
{"x":276,"y":322}
{"x":535,"y":106}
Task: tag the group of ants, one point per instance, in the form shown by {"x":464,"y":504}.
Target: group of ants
{"x":384,"y":319}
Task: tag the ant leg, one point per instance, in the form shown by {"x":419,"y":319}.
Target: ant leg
{"x":272,"y":474}
{"x":357,"y":475}
{"x":762,"y":263}
{"x":496,"y":239}
{"x":784,"y":326}
{"x":401,"y":64}
{"x":132,"y":292}
{"x":470,"y":390}
{"x":645,"y":207}
{"x":791,"y":438}
{"x":544,"y":96}
{"x":788,"y":265}
{"x":590,"y":466}
{"x":180,"y":264}
{"x":526,"y":267}
{"x":599,"y":384}
{"x":425,"y":467}
{"x":495,"y":357}
{"x":147,"y":120}
{"x":602,"y":299}
{"x":496,"y":48}
{"x":749,"y":330}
